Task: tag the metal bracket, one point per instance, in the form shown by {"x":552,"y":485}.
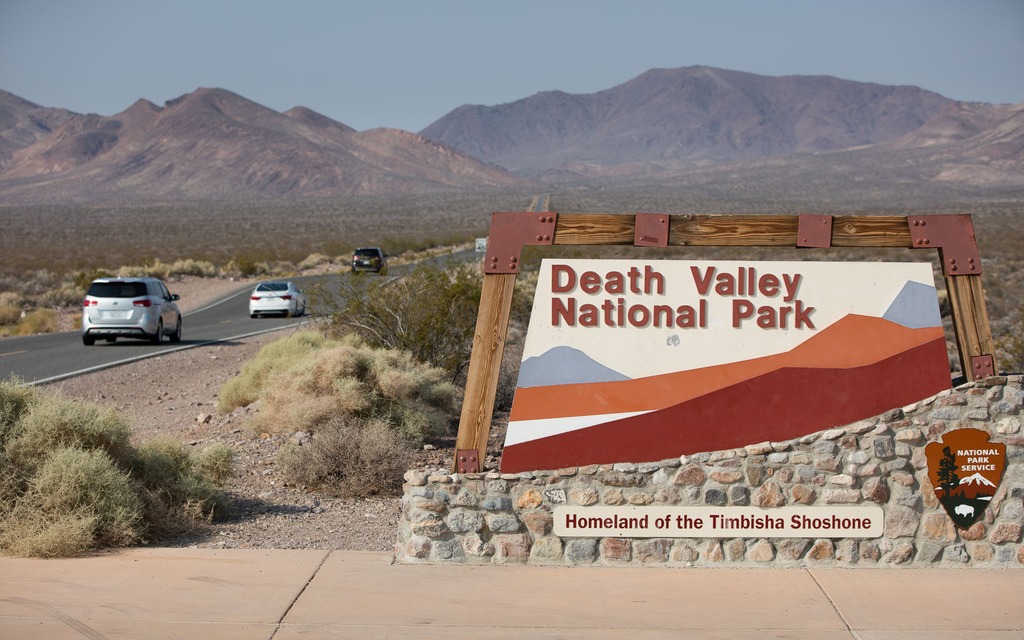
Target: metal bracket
{"x":650,"y":230}
{"x":983,"y":366}
{"x":510,"y":232}
{"x":814,"y":230}
{"x":467,"y":461}
{"x":953,"y":236}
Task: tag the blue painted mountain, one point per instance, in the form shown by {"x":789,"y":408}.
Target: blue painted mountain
{"x":564,"y":365}
{"x":916,"y":307}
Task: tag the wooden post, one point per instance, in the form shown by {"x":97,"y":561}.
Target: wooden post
{"x":485,"y":363}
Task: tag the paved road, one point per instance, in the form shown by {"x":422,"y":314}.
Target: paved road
{"x":50,"y":357}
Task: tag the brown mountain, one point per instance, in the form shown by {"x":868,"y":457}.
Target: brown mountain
{"x":675,"y":117}
{"x":23,"y":123}
{"x":214,"y":144}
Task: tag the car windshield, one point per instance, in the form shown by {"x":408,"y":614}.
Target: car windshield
{"x":117,"y":290}
{"x":272,"y":286}
{"x":367,"y":253}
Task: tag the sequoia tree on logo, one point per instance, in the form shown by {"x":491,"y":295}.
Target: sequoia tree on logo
{"x":965,"y":469}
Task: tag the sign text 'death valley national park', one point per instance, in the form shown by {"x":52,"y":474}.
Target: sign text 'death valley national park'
{"x":638,"y":361}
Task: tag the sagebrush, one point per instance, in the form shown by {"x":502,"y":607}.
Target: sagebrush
{"x":71,"y":481}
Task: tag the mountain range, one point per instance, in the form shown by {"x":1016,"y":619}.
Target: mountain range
{"x":696,"y":124}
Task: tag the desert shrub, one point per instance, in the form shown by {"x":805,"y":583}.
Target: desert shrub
{"x":10,"y":308}
{"x":348,"y":378}
{"x":54,"y":422}
{"x":190,"y":267}
{"x":247,"y":266}
{"x":78,"y":499}
{"x":65,"y":294}
{"x":315,"y":260}
{"x":280,"y":355}
{"x":82,"y":279}
{"x":216,"y":463}
{"x":349,"y":459}
{"x":15,"y":400}
{"x":178,"y":494}
{"x":12,"y":483}
{"x":430,"y":313}
{"x":70,"y":480}
{"x":154,"y":268}
{"x":37,"y":321}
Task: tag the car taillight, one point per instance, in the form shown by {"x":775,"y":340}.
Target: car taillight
{"x":255,"y":298}
{"x":89,"y":303}
{"x":286,"y":297}
{"x":142,"y":303}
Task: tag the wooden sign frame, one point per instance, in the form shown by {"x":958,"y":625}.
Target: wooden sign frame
{"x":951,"y":235}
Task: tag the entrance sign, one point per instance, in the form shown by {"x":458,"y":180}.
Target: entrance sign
{"x":719,"y":522}
{"x":965,"y":469}
{"x":949,"y":237}
{"x":641,"y":361}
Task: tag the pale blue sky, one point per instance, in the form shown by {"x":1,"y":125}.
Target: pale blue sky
{"x":405,"y":63}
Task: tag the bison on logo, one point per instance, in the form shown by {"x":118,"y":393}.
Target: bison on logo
{"x":965,"y":469}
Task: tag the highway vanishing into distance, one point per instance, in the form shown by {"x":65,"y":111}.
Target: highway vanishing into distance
{"x":50,"y":357}
{"x":39,"y":359}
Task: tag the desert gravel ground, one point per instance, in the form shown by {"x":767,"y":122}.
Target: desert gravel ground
{"x":176,"y":395}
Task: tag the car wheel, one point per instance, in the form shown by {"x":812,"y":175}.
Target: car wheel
{"x":88,"y":341}
{"x":157,"y":337}
{"x":176,"y":336}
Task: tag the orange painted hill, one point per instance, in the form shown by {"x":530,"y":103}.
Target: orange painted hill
{"x":853,"y":341}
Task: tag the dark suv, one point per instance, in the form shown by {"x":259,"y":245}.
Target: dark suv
{"x":130,"y":308}
{"x":369,"y":259}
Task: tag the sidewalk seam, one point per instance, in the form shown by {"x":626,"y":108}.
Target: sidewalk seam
{"x":277,"y":625}
{"x":835,"y":607}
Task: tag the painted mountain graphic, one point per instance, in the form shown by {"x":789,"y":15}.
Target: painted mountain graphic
{"x":852,"y":342}
{"x":856,"y":368}
{"x":978,"y":480}
{"x":916,"y":306}
{"x":976,"y":487}
{"x":564,"y":365}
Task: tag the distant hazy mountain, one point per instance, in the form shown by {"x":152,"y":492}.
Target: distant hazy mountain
{"x":714,"y":135}
{"x":23,"y":123}
{"x":674,"y":116}
{"x":214,"y":144}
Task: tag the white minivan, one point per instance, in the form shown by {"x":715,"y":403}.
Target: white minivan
{"x":140,"y":308}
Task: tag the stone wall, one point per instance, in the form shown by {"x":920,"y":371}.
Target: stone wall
{"x":507,"y":518}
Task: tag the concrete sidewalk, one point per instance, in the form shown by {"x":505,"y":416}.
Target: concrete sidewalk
{"x":146,"y":594}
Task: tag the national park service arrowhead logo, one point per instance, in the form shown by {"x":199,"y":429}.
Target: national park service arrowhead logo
{"x":965,"y":469}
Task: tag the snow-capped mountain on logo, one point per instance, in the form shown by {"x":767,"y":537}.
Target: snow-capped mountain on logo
{"x":977,"y":479}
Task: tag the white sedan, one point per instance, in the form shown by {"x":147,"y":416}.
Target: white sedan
{"x":277,"y":297}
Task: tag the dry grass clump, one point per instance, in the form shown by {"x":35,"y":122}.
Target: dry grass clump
{"x":75,"y":501}
{"x":280,"y":355}
{"x":305,"y":380}
{"x":365,"y":409}
{"x":349,"y":458}
{"x":71,"y":481}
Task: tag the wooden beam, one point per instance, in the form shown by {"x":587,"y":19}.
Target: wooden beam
{"x":970,"y":321}
{"x":485,"y":363}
